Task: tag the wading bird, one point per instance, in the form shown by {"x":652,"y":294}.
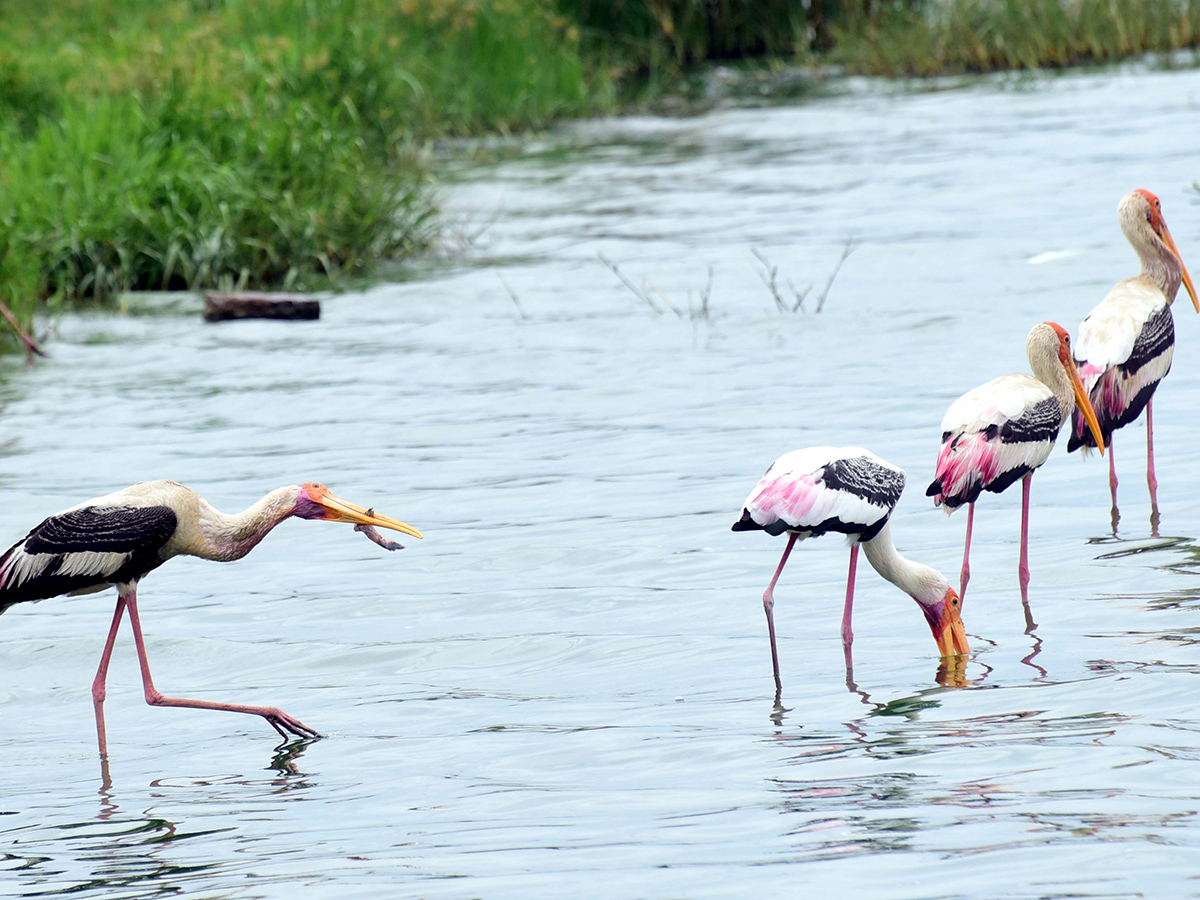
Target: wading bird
{"x":850,"y":491}
{"x":1125,"y":344}
{"x":116,"y":539}
{"x":1003,"y":430}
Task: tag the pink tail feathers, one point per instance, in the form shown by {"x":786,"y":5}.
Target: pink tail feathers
{"x":1103,"y":387}
{"x":964,"y":465}
{"x":789,"y":499}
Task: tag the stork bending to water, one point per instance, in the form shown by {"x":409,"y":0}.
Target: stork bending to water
{"x":1003,"y":430}
{"x":850,"y":491}
{"x":118,"y":538}
{"x":1125,"y":344}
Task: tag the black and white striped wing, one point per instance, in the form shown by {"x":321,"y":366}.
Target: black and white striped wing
{"x":84,"y":549}
{"x":820,"y":489}
{"x":1124,"y":350}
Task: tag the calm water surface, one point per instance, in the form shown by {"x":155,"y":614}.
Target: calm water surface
{"x":567,"y":684}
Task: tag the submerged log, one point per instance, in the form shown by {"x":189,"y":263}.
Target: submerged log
{"x":219,"y":307}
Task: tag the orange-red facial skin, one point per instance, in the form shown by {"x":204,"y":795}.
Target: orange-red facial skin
{"x":316,"y":493}
{"x":947,"y":628}
{"x":1064,"y":344}
{"x":1150,"y":198}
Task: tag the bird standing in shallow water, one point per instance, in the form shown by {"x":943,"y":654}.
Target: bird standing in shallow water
{"x":850,"y":491}
{"x":1003,"y":430}
{"x":1125,"y":344}
{"x":116,"y":539}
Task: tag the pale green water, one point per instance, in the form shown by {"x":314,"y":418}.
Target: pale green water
{"x":566,"y":686}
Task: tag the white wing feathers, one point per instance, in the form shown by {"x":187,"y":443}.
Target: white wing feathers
{"x":1000,"y":400}
{"x":1107,"y":335}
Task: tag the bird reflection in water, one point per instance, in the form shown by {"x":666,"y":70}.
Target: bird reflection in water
{"x":286,"y":760}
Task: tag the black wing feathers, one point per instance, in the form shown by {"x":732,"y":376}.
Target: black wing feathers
{"x":139,"y":533}
{"x":878,"y":485}
{"x":1041,"y":422}
{"x":116,"y":530}
{"x":1156,"y":337}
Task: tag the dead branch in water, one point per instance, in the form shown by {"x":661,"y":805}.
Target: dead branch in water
{"x":640,"y":293}
{"x":515,"y":299}
{"x":770,"y":277}
{"x":31,"y":346}
{"x":643,"y":293}
{"x":846,"y":251}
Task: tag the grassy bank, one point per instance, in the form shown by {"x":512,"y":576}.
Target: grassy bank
{"x":283,"y":143}
{"x":248,"y":142}
{"x":957,"y":36}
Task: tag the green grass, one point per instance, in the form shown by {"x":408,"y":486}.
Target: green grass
{"x":259,"y":143}
{"x":284,"y":143}
{"x":957,"y":36}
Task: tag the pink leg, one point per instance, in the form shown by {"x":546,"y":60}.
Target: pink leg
{"x":965,"y":575}
{"x":1023,"y":568}
{"x":1112,"y":473}
{"x":279,"y":720}
{"x":1151,"y":480}
{"x":769,"y":608}
{"x":1112,"y":485}
{"x":847,"y":631}
{"x":98,"y":689}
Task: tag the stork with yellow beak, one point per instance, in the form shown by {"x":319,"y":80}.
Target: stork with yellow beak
{"x":117,"y":539}
{"x":1125,"y":344}
{"x":1000,"y":432}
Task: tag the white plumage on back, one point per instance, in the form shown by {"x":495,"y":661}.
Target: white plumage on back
{"x":797,"y":491}
{"x":994,"y":403}
{"x":1107,"y":335}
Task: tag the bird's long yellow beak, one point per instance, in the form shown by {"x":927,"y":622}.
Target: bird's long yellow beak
{"x":1084,"y":404}
{"x":1187,"y":279}
{"x":949,"y":633}
{"x":344,"y":511}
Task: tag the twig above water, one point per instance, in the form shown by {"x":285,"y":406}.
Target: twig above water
{"x":640,"y":293}
{"x":644,"y":294}
{"x":770,"y":277}
{"x":515,"y":299}
{"x":769,"y":274}
{"x":31,"y":346}
{"x":847,"y":249}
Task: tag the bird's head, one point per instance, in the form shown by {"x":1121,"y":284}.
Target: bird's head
{"x":1140,"y":214}
{"x":1052,"y":337}
{"x":943,"y":608}
{"x":314,"y":501}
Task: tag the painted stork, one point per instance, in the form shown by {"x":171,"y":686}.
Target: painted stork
{"x":116,"y":539}
{"x":1125,"y":344}
{"x":851,"y":491}
{"x":1003,"y":430}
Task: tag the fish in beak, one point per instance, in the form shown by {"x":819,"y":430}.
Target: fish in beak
{"x":335,"y":509}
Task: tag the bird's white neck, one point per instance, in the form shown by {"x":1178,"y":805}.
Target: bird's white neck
{"x":224,"y":537}
{"x":1166,"y":273}
{"x":923,"y":584}
{"x":1042,"y":348}
{"x":1159,"y":265}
